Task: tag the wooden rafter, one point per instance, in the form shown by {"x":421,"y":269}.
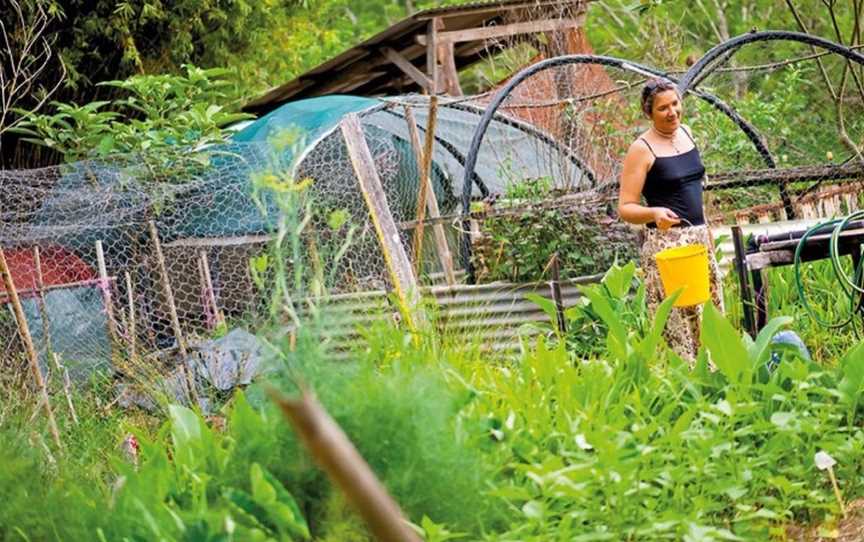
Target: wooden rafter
{"x":503,"y":31}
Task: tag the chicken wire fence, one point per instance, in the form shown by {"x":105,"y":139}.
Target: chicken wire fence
{"x":126,"y":259}
{"x":779,"y":127}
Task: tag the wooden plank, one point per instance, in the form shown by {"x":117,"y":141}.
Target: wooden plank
{"x":408,"y":68}
{"x":503,"y":31}
{"x":219,"y":241}
{"x":735,"y":179}
{"x":443,"y":249}
{"x":449,"y":75}
{"x":761,"y":260}
{"x":398,"y":265}
{"x":27,"y":339}
{"x":425,"y":185}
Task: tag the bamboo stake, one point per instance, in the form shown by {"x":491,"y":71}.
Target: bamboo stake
{"x":425,"y":168}
{"x":166,"y":289}
{"x":210,"y":293}
{"x":24,"y":331}
{"x":105,"y":287}
{"x":132,"y":331}
{"x":337,"y":456}
{"x":444,"y":255}
{"x":40,"y":299}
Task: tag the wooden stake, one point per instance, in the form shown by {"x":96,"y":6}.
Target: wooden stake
{"x":210,"y":293}
{"x":132,"y":329}
{"x":555,"y":285}
{"x":191,"y":391}
{"x":425,"y":188}
{"x":166,"y":289}
{"x":432,"y":53}
{"x":40,"y":298}
{"x":444,"y":255}
{"x":398,"y":265}
{"x":337,"y":456}
{"x":24,"y":331}
{"x":105,"y":287}
{"x":67,"y":385}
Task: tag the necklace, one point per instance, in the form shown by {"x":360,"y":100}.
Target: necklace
{"x":671,"y":139}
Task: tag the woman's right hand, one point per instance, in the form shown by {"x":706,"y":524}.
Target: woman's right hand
{"x":665,"y":218}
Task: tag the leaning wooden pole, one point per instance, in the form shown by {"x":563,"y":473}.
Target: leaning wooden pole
{"x":445,"y":257}
{"x":423,"y":193}
{"x":24,"y":330}
{"x":105,"y":287}
{"x":336,"y":455}
{"x":166,"y":289}
{"x":395,"y":258}
{"x":209,"y":291}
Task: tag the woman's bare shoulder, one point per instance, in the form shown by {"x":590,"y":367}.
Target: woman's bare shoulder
{"x":639,"y":147}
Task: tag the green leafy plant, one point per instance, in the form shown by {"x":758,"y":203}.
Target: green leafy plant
{"x":175,"y":124}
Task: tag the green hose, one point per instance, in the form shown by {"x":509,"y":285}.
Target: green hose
{"x":853,"y":287}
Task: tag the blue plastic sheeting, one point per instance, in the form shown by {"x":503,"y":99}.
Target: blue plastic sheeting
{"x":311,"y":117}
{"x":77,"y":327}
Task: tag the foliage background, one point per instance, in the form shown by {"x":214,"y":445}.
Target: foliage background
{"x":269,"y":42}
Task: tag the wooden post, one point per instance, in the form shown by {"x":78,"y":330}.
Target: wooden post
{"x":743,"y":280}
{"x":210,"y":293}
{"x":432,"y":53}
{"x":105,"y":286}
{"x":336,"y":455}
{"x":398,"y":265}
{"x":132,"y":330}
{"x":450,"y":73}
{"x":27,"y":339}
{"x":425,"y":191}
{"x":444,"y":255}
{"x":40,"y":298}
{"x":166,"y":289}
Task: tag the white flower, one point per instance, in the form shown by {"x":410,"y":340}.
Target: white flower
{"x":824,"y":461}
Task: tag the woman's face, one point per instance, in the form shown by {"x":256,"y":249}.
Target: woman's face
{"x":666,"y":111}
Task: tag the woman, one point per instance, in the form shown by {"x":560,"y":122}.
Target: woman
{"x":663,"y":166}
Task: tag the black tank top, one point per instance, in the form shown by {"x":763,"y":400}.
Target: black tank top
{"x":675,"y":182}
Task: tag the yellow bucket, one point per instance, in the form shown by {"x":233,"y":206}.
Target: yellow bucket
{"x":685,"y":267}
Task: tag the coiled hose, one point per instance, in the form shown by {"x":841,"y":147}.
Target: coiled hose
{"x":852,"y":286}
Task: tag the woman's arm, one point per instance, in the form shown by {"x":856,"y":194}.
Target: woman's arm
{"x":637,"y":162}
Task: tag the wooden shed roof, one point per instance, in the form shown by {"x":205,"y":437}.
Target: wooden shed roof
{"x":369,"y":69}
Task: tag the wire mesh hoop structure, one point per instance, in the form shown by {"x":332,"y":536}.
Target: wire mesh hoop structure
{"x":499,"y":98}
{"x":688,"y":84}
{"x":690,"y":80}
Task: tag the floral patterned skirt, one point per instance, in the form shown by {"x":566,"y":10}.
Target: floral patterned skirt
{"x":684,"y":324}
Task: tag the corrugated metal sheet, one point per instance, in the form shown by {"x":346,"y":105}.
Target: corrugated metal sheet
{"x":491,"y":316}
